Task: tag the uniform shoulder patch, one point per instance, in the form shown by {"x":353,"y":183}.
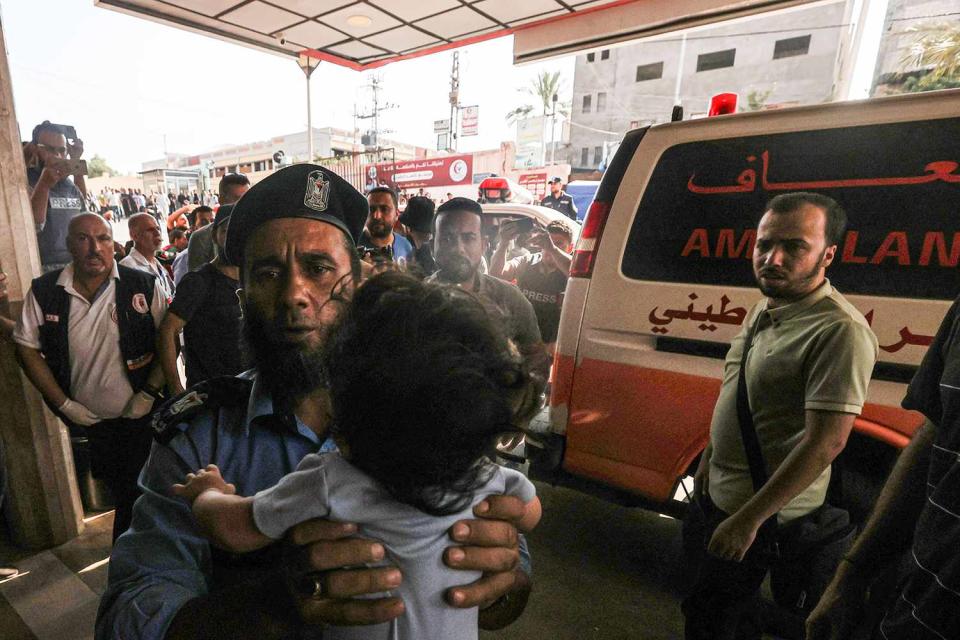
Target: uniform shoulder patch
{"x":175,"y":415}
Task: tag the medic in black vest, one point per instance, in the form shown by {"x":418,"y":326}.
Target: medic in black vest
{"x":86,"y":339}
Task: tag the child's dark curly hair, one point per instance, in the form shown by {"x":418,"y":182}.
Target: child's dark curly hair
{"x":422,"y":380}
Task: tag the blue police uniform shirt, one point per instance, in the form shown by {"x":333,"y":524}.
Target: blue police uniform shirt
{"x":164,"y":560}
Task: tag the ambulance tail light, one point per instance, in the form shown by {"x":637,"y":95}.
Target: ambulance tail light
{"x":722,"y":104}
{"x":584,"y":256}
{"x":581,"y":265}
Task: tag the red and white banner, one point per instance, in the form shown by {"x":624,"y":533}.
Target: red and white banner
{"x":428,"y":172}
{"x":469,"y":121}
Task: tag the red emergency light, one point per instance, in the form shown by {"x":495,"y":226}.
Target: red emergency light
{"x":722,"y":104}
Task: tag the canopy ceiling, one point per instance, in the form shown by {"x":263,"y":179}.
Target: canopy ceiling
{"x":372,"y":33}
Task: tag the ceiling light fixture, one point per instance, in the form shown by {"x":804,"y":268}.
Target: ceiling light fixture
{"x":359,"y":21}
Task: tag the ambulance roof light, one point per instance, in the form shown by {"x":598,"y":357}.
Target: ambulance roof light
{"x":722,"y":104}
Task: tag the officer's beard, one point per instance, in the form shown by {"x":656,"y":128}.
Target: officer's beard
{"x":289,"y":371}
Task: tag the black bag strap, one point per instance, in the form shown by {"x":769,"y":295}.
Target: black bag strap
{"x":751,"y":444}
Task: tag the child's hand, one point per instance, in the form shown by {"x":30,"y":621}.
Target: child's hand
{"x":203,"y":480}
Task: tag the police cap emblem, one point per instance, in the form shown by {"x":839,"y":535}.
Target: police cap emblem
{"x":318,"y":191}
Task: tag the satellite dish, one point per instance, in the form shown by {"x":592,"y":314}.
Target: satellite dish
{"x":279,"y":156}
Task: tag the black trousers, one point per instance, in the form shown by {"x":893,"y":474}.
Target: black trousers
{"x":118,"y":450}
{"x":723,"y":599}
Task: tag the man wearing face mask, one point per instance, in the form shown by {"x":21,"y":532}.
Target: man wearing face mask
{"x":54,"y":197}
{"x":207,"y":309}
{"x":459,"y":245}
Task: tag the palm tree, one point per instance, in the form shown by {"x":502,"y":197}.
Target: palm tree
{"x":542,"y":88}
{"x":937,"y":47}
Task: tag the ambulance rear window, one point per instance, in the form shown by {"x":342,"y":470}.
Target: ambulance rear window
{"x":899,"y":184}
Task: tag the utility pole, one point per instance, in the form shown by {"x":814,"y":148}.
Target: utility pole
{"x":308,"y":64}
{"x":553,"y":127}
{"x":374,"y":85}
{"x":454,"y":101}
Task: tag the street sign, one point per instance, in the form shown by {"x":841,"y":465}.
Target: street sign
{"x":443,"y":141}
{"x":469,"y":120}
{"x":441,"y":126}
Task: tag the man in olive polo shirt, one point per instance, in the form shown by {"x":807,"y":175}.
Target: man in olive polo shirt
{"x":807,"y":373}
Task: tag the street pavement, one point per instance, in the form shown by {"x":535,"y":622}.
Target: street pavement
{"x":600,"y":572}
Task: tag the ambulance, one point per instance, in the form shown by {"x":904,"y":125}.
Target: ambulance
{"x":661,"y":281}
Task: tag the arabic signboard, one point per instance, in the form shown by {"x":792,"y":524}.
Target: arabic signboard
{"x":427,"y":172}
{"x":696,"y":224}
{"x":441,"y":126}
{"x":469,"y":121}
{"x":535,"y":183}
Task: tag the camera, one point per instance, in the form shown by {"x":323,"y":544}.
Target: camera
{"x":282,"y":38}
{"x":376,"y":254}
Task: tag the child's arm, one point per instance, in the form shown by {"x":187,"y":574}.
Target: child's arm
{"x":531,"y":517}
{"x":224,"y":516}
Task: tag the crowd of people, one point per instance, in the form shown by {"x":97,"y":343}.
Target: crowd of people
{"x":351,"y":362}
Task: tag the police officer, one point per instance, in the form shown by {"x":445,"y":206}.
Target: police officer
{"x":293,"y":235}
{"x":559,"y":200}
{"x":86,"y":341}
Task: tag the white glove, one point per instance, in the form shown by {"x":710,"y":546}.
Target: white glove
{"x":138,"y":406}
{"x":79,"y":414}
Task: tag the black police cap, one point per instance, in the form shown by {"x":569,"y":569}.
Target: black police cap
{"x":299,"y":191}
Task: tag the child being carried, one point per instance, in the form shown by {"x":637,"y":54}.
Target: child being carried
{"x":422,"y":383}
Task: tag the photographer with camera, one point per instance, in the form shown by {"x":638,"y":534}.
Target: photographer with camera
{"x":379,"y":245}
{"x":52,"y":156}
{"x":541,"y":275}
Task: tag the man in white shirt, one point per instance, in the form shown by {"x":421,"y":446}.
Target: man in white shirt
{"x":86,"y":339}
{"x":145,"y":233}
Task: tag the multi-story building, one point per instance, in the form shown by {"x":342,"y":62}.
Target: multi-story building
{"x":257,"y":159}
{"x":778,"y":59}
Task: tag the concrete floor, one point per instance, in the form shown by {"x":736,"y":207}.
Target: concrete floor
{"x":600,"y":572}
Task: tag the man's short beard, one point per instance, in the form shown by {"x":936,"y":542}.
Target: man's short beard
{"x":289,"y":371}
{"x":379,"y":229}
{"x":455,"y":268}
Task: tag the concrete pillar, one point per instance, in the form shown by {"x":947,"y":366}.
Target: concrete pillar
{"x":42,"y":502}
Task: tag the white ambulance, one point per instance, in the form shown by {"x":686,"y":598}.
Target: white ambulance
{"x":662,"y":279}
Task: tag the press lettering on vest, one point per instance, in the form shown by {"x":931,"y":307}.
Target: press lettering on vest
{"x":65,"y":203}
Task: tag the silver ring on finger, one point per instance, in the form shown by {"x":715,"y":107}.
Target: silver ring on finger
{"x":317,"y":592}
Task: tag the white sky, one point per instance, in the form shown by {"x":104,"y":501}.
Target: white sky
{"x":125,"y":82}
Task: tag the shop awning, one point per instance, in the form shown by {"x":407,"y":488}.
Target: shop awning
{"x":370,"y":34}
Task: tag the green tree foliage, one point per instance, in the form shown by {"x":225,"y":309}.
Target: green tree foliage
{"x":935,"y":48}
{"x":97,"y":166}
{"x":756,"y":99}
{"x":541,"y":89}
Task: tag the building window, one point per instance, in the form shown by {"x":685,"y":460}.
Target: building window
{"x":605,"y":54}
{"x":791,"y":47}
{"x":716,"y":60}
{"x":591,"y":57}
{"x":597,"y":156}
{"x":584,"y":157}
{"x":652,"y":71}
{"x":601,"y":101}
{"x":586,"y":103}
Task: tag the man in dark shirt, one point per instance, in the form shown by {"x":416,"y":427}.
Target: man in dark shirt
{"x":458,"y":245}
{"x":207,"y":309}
{"x":54,"y":198}
{"x":418,"y":220}
{"x":559,"y":200}
{"x":917,"y":511}
{"x":541,"y":276}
